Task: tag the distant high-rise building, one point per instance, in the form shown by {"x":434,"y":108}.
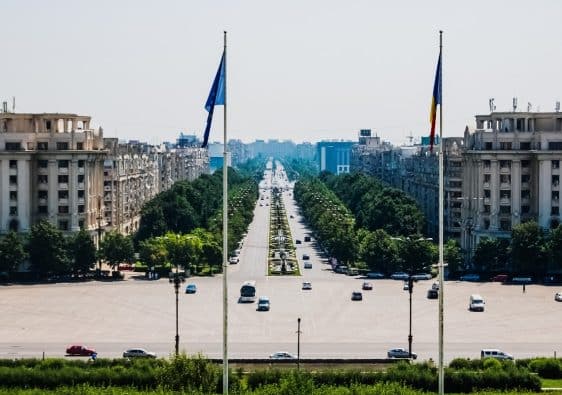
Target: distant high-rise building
{"x":334,"y":156}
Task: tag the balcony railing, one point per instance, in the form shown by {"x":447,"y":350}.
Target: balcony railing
{"x":63,"y":185}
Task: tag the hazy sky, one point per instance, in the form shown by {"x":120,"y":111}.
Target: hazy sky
{"x":302,"y":70}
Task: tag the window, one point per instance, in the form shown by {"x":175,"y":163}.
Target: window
{"x":525,"y":194}
{"x":506,"y":146}
{"x":48,"y":125}
{"x":62,"y":146}
{"x":525,"y":146}
{"x":487,"y":177}
{"x":555,"y":210}
{"x":487,"y":193}
{"x":555,"y":195}
{"x":488,"y":146}
{"x":525,"y":164}
{"x":505,"y":164}
{"x":81,"y":208}
{"x":486,"y":209}
{"x":525,"y":209}
{"x":505,"y":179}
{"x":555,"y":164}
{"x":63,"y":225}
{"x":555,"y":180}
{"x":486,"y":224}
{"x":525,"y":178}
{"x":63,"y":209}
{"x":487,"y":164}
{"x":14,"y":225}
{"x":13,"y":195}
{"x":42,"y":146}
{"x":505,"y":209}
{"x":42,"y":209}
{"x":42,"y":179}
{"x":13,"y":146}
{"x":13,"y":210}
{"x":81,"y":223}
{"x":42,"y":194}
{"x":42,"y":164}
{"x":81,"y":163}
{"x":81,"y":193}
{"x":80,"y":146}
{"x":505,"y":225}
{"x":13,"y":164}
{"x":80,"y":177}
{"x":13,"y":180}
{"x":555,"y":145}
{"x":505,"y":194}
{"x":63,"y":164}
{"x":63,"y":194}
{"x":63,"y":179}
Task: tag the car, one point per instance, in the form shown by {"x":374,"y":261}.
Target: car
{"x":399,"y":276}
{"x":374,"y":275}
{"x":282,"y":355}
{"x":558,"y":296}
{"x":502,"y":278}
{"x":261,"y":204}
{"x":305,"y":257}
{"x":435,"y":286}
{"x":432,"y":293}
{"x":263,"y":303}
{"x":307,"y":239}
{"x":138,"y":353}
{"x":367,"y":286}
{"x":406,"y":286}
{"x":495,"y":353}
{"x":297,"y":241}
{"x":291,"y":216}
{"x":400,"y":353}
{"x":77,"y":350}
{"x":356,"y":295}
{"x":234,"y":260}
{"x":308,"y":265}
{"x":191,"y":289}
{"x":307,"y":285}
{"x":421,"y":276}
{"x":237,"y":252}
{"x":470,"y":277}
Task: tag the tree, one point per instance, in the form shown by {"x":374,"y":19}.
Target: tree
{"x":554,"y":249}
{"x":12,"y":252}
{"x":491,"y":255}
{"x":452,"y":256}
{"x":116,"y":248}
{"x":153,"y":252}
{"x":83,"y":252}
{"x":528,"y":249}
{"x":48,"y":249}
{"x":417,"y":254}
{"x":183,"y":250}
{"x":211,"y":252}
{"x":378,"y":251}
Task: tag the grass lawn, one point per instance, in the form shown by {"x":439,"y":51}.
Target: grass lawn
{"x":552,"y":383}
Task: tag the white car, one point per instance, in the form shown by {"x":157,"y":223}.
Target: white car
{"x":234,"y":260}
{"x":558,"y":296}
{"x":282,"y":355}
{"x":306,"y":285}
{"x":138,"y":353}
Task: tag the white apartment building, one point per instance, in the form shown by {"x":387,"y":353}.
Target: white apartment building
{"x":511,"y":173}
{"x":51,"y":167}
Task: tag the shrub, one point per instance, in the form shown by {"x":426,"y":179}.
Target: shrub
{"x":189,"y":373}
{"x":549,"y":368}
{"x":491,"y":363}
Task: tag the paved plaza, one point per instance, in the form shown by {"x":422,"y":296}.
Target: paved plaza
{"x":112,"y":316}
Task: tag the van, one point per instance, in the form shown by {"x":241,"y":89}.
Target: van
{"x":476,"y":303}
{"x":494,"y":353}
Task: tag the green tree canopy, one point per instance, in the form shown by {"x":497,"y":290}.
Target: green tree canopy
{"x":378,"y":251}
{"x":417,"y":254}
{"x":48,"y":249}
{"x":491,"y":255}
{"x":528,"y":247}
{"x":116,"y":248}
{"x":83,"y":252}
{"x":153,"y":252}
{"x":12,"y":252}
{"x":452,"y":256}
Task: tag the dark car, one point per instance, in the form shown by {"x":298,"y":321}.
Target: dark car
{"x":432,"y":293}
{"x":305,"y":257}
{"x":82,"y":351}
{"x":356,"y":295}
{"x":297,"y":241}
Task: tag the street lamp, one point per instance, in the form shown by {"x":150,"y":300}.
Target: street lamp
{"x":411,"y":289}
{"x":99,"y":218}
{"x":298,"y":343}
{"x":177,"y":279}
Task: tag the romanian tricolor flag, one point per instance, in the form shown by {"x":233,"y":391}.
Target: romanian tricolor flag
{"x":435,"y":100}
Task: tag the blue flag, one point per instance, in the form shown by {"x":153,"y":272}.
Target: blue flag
{"x":216,"y":98}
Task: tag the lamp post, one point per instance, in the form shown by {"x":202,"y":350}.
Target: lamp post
{"x":99,"y":218}
{"x":177,"y":280}
{"x":299,"y":343}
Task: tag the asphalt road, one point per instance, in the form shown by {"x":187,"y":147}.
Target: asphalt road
{"x":140,"y":313}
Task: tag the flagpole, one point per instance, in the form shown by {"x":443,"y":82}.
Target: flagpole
{"x":441,"y":198}
{"x":225,"y":243}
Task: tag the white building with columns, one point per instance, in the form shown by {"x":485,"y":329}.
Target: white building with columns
{"x":511,"y":173}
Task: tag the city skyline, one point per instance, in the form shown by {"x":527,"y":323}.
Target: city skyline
{"x":301,"y":72}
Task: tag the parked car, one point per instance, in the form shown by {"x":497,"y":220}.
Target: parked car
{"x":340,"y":269}
{"x":494,"y":353}
{"x":558,"y":296}
{"x":367,"y":286}
{"x":356,"y":295}
{"x":306,"y":285}
{"x":435,"y":286}
{"x":470,"y":277}
{"x":191,"y":289}
{"x":399,"y":276}
{"x":233,"y":260}
{"x":308,"y":265}
{"x":432,"y":293}
{"x":305,"y":257}
{"x":297,"y":241}
{"x":78,"y":350}
{"x":400,"y":353}
{"x":375,"y":275}
{"x":502,"y":278}
{"x":138,"y":353}
{"x":282,"y":355}
{"x":522,"y":280}
{"x":422,"y":276}
{"x":263,"y":303}
{"x":306,"y":239}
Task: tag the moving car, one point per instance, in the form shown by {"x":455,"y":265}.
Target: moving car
{"x":282,"y":355}
{"x":494,"y":353}
{"x":435,"y":286}
{"x":406,"y":286}
{"x":80,"y":350}
{"x":356,"y":295}
{"x":191,"y":289}
{"x":367,"y":286}
{"x":297,"y":241}
{"x":400,"y":353}
{"x":476,"y":303}
{"x":308,"y":265}
{"x":470,"y":277}
{"x":138,"y":353}
{"x":305,"y":257}
{"x":233,"y":260}
{"x":422,"y":276}
{"x":306,"y":285}
{"x":399,"y":276}
{"x":307,"y":239}
{"x":432,"y":293}
{"x":558,"y":296}
{"x":263,"y":303}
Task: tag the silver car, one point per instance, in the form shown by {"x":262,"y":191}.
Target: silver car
{"x":400,"y":353}
{"x":138,"y":353}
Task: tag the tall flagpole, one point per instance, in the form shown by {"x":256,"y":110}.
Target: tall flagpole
{"x":225,"y":244}
{"x":441,"y":198}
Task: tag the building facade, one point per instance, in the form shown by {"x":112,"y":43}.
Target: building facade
{"x":511,"y":168}
{"x":334,"y":156}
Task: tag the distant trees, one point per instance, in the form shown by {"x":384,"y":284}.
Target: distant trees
{"x":378,"y":250}
{"x":12,"y":253}
{"x":48,"y":249}
{"x":116,"y":248}
{"x":83,"y":252}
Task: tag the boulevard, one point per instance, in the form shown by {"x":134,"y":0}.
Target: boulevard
{"x":113,"y":316}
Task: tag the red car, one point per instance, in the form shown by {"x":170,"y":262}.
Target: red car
{"x":80,"y":350}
